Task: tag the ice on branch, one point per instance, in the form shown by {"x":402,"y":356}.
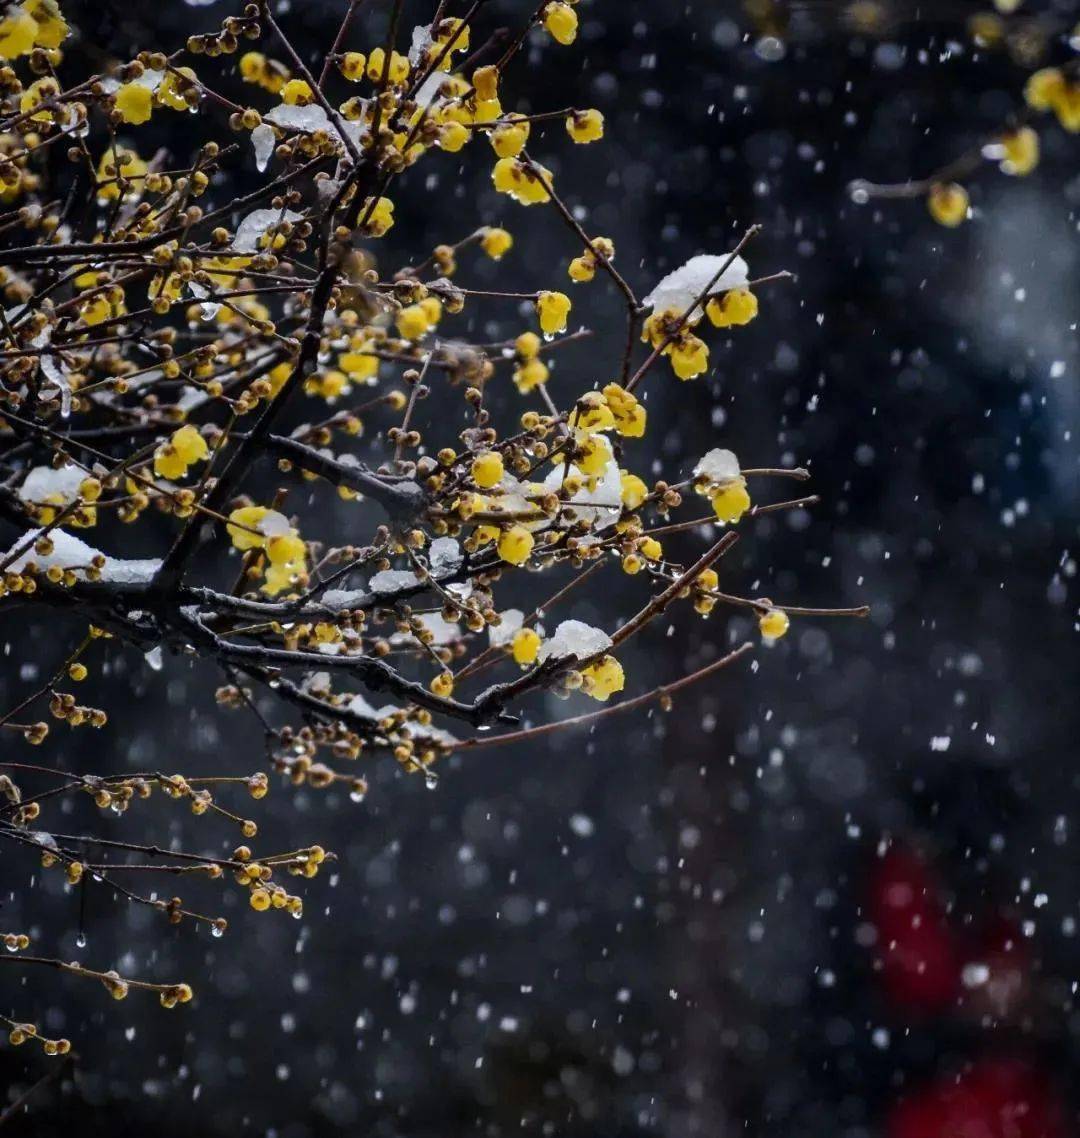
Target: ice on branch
{"x":257,"y":224}
{"x":263,"y":141}
{"x":422,"y":39}
{"x":445,"y":556}
{"x":598,"y":502}
{"x":312,"y":118}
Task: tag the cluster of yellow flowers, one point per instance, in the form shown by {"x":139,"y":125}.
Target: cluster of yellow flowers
{"x":266,"y":530}
{"x":183,"y":449}
{"x":672,"y":331}
{"x":1052,"y":90}
{"x":33,"y":23}
{"x":160,"y":362}
{"x":1017,"y":149}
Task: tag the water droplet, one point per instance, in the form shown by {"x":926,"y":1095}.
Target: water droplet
{"x":431,"y":780}
{"x":80,"y":940}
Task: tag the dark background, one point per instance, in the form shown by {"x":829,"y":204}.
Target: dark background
{"x":661,"y":928}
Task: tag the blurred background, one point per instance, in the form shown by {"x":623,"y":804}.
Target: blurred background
{"x":698,"y":923}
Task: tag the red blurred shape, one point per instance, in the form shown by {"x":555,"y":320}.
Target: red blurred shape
{"x":996,"y":1098}
{"x":920,"y":957}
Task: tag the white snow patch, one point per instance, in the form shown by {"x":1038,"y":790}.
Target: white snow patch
{"x":44,"y":485}
{"x":574,"y":640}
{"x":678,"y":290}
{"x":391,"y":580}
{"x":344,"y":598}
{"x":70,"y":552}
{"x":502,"y":633}
{"x":718,"y":466}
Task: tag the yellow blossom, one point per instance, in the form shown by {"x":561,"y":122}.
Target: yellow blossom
{"x":633,"y":490}
{"x":412,"y":322}
{"x":360,"y":365}
{"x":431,"y":306}
{"x":99,"y":308}
{"x":251,"y":66}
{"x":529,"y":375}
{"x":604,"y":678}
{"x":259,"y":900}
{"x":585,"y":126}
{"x":443,"y":684}
{"x":527,"y":345}
{"x":515,"y":545}
{"x":381,"y":216}
{"x":508,"y":139}
{"x":1045,"y":88}
{"x":184,"y":448}
{"x":731,"y":501}
{"x":736,"y":307}
{"x":1067,"y":108}
{"x":1021,"y":151}
{"x":18,"y":31}
{"x":947,"y":203}
{"x":244,"y":520}
{"x":561,"y":22}
{"x":487,"y":469}
{"x":628,"y":414}
{"x":689,"y":357}
{"x":170,"y":94}
{"x":496,"y":242}
{"x":486,"y":82}
{"x":593,"y":454}
{"x":522,"y":182}
{"x":552,"y":309}
{"x":297,"y":93}
{"x":452,"y":137}
{"x":592,"y":413}
{"x":134,"y":101}
{"x":352,"y":65}
{"x":52,"y":28}
{"x":525,"y":646}
{"x":266,"y":73}
{"x":398,"y":71}
{"x":329,"y":384}
{"x":774,"y":624}
{"x":40,"y":91}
